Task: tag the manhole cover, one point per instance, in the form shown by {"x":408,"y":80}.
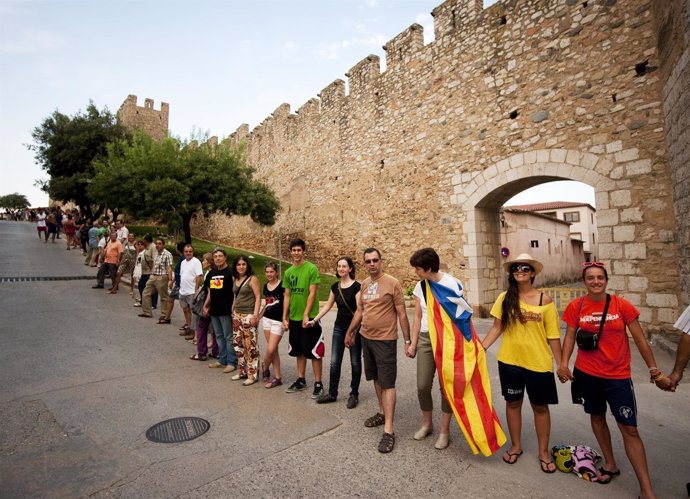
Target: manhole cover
{"x":177,"y":430}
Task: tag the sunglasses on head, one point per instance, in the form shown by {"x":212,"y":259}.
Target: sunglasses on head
{"x":593,"y":264}
{"x":521,"y":267}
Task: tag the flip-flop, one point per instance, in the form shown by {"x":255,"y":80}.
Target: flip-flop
{"x":545,"y":466}
{"x":609,"y":474}
{"x":510,"y":455}
{"x":196,"y":356}
{"x":163,"y":321}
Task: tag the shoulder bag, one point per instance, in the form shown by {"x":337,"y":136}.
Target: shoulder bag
{"x":586,"y":340}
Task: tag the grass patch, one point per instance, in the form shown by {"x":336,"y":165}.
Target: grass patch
{"x":257,"y":261}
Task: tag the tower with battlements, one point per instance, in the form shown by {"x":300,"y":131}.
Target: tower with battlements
{"x":153,"y":122}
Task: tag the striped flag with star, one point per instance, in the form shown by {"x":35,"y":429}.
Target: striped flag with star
{"x":461,"y":364}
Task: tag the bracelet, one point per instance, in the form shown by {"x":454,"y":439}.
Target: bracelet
{"x":653,"y":369}
{"x":656,"y":377}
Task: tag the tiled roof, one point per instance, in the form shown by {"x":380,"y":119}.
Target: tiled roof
{"x":552,"y":205}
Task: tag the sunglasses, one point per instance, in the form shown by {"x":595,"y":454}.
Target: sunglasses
{"x":593,"y":264}
{"x":371,"y":260}
{"x":521,"y":267}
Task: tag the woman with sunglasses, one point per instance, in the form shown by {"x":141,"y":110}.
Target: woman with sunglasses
{"x":528,"y":321}
{"x":602,"y":371}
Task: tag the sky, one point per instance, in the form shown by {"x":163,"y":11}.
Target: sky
{"x":217,"y":63}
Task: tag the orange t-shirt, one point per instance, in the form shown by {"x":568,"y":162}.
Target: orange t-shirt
{"x":112,"y":252}
{"x":381,"y":300}
{"x":612,"y":358}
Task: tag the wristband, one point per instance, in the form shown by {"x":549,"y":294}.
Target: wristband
{"x":408,"y":342}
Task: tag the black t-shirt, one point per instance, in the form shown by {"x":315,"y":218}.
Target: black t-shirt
{"x":274,"y":302}
{"x":344,"y":316}
{"x":219,"y":285}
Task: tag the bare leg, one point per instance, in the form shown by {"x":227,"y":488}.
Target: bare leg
{"x":118,"y":276}
{"x":603,"y":436}
{"x":427,"y":419}
{"x":317,"y":366}
{"x":634,"y":448}
{"x":445,"y":422}
{"x":388,"y":404}
{"x":514,"y":418}
{"x":301,"y":366}
{"x":187,"y":316}
{"x":272,"y":356}
{"x":542,"y":424}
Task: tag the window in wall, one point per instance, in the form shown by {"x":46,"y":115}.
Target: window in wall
{"x":534,"y":244}
{"x":549,"y":245}
{"x":593,"y":240}
{"x":592,"y":217}
{"x":571,"y":216}
{"x":551,"y":214}
{"x":576,"y":235}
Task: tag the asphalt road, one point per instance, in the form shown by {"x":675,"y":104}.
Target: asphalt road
{"x":83,"y":378}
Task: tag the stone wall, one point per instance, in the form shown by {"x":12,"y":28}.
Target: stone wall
{"x":155,"y":123}
{"x":673,"y":45}
{"x":426,"y":152}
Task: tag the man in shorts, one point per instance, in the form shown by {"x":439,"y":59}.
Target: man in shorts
{"x":190,"y":282}
{"x":299,"y":307}
{"x":380,"y":307}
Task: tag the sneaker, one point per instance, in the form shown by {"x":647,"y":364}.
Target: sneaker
{"x":297,"y":386}
{"x":352,"y":401}
{"x":318,"y":391}
{"x":137,"y":304}
{"x":229,"y":368}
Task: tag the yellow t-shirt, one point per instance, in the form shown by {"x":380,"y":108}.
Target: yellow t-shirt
{"x":525,"y":345}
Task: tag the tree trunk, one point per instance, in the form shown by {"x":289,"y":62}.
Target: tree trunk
{"x":186,"y":227}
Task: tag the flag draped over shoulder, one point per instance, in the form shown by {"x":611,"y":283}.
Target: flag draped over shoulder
{"x":461,"y":365}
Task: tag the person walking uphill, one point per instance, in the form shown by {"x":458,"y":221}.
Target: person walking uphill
{"x":300,"y":306}
{"x":380,"y":306}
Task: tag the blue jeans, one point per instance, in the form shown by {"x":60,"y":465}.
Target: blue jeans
{"x":337,"y":350}
{"x":222,"y":327}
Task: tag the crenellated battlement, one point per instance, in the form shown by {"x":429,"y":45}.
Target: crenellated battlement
{"x":363,"y":76}
{"x":155,"y":123}
{"x":456,"y":16}
{"x":404,"y":46}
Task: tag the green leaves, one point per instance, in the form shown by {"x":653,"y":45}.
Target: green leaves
{"x":14,"y":201}
{"x":150,"y":179}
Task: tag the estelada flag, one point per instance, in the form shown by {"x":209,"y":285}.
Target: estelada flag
{"x":461,"y":364}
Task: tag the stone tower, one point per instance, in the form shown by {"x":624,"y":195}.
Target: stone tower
{"x":155,"y":123}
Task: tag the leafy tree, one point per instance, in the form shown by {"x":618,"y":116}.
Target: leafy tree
{"x":14,"y":201}
{"x":158,"y":179}
{"x":66,"y":147}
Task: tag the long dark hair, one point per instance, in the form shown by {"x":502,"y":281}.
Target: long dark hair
{"x":511,"y":312}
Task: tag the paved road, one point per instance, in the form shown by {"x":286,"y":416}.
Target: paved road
{"x":83,"y":378}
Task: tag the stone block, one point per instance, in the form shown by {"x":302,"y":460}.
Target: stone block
{"x":607,"y":218}
{"x":620,"y":198}
{"x":456,"y":179}
{"x":614,"y":146}
{"x":616,"y":283}
{"x":623,"y":233}
{"x":605,"y":234}
{"x":635,"y":251}
{"x":638,"y":284}
{"x":542,"y":155}
{"x":633,"y":298}
{"x":558,"y":155}
{"x":667,"y":315}
{"x":626,"y":155}
{"x":624,"y":267}
{"x":610,"y":250}
{"x":530,"y":157}
{"x":630,"y":214}
{"x":517,"y":160}
{"x":573,"y":157}
{"x":601,"y":198}
{"x":662,"y":300}
{"x":645,"y":315}
{"x":639,"y":167}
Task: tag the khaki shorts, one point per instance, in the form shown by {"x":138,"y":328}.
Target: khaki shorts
{"x":186,"y":301}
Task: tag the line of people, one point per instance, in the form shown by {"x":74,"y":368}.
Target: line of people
{"x":227,"y":301}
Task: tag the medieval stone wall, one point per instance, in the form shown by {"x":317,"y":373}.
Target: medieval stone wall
{"x":426,"y":152}
{"x":154,"y":122}
{"x":673,"y":45}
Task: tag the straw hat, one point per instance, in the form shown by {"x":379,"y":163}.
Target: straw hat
{"x":524,"y":258}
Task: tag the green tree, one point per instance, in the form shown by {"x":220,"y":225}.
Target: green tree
{"x":66,"y":148}
{"x":158,"y":179}
{"x":14,"y":201}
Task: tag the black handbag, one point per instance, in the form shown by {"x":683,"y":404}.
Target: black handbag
{"x":587,"y":340}
{"x":198,"y":303}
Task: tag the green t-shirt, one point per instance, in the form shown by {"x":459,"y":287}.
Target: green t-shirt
{"x":298,"y":280}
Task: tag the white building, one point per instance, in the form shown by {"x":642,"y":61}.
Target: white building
{"x":581,"y":216}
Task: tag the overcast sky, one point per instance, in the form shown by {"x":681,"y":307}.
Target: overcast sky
{"x":218,"y":63}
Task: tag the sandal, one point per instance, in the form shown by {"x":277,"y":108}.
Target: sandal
{"x":266,"y":374}
{"x":607,"y":476}
{"x":213,"y":356}
{"x":387,"y":442}
{"x":376,"y":420}
{"x":273,"y":383}
{"x":512,"y":457}
{"x":197,"y":356}
{"x":163,"y":321}
{"x":545,"y":466}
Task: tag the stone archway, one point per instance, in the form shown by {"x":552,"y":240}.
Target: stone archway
{"x":483,"y":193}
